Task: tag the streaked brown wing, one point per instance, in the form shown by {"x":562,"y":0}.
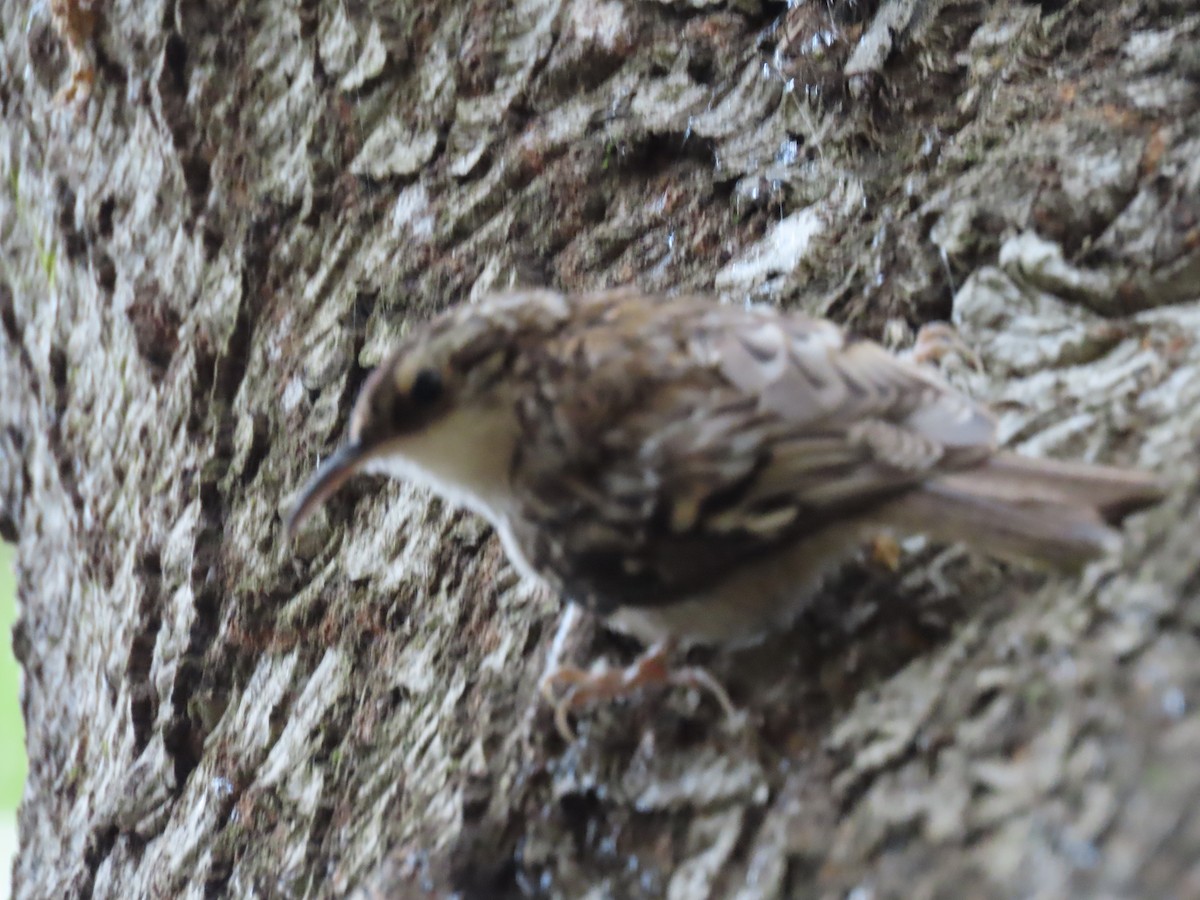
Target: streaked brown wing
{"x":811,"y":374}
{"x":707,"y":436}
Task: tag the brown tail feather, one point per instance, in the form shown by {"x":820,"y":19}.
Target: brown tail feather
{"x":1031,"y":510}
{"x":1112,"y":492}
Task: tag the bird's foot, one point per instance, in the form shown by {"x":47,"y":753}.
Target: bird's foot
{"x":570,"y":688}
{"x":885,"y":551}
{"x":937,"y":340}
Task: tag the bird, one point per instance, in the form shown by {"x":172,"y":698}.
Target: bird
{"x":691,"y":471}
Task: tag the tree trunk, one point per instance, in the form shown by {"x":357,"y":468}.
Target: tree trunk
{"x":215,"y":218}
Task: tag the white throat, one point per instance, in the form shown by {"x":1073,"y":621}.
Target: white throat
{"x":464,"y":456}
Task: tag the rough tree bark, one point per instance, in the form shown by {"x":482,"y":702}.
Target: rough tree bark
{"x":216,"y":217}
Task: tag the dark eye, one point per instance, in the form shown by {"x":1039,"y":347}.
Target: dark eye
{"x":426,"y":387}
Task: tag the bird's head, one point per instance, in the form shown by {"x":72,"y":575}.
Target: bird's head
{"x":440,"y":410}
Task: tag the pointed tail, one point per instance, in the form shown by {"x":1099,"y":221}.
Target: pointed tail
{"x":1031,"y":510}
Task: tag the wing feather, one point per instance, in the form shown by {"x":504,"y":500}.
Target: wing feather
{"x":711,"y":435}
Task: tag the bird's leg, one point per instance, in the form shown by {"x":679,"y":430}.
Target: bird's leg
{"x":581,"y":687}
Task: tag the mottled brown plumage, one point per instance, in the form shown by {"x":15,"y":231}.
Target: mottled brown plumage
{"x":648,"y":452}
{"x":690,"y":469}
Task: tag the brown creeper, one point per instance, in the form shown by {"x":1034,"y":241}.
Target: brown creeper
{"x":690,"y":470}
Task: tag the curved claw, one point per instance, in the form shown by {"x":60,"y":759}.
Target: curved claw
{"x":584,"y":687}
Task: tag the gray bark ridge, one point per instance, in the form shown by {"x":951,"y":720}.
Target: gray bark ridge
{"x":205,"y":252}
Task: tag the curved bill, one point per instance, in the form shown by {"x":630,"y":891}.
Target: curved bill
{"x":332,"y":474}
